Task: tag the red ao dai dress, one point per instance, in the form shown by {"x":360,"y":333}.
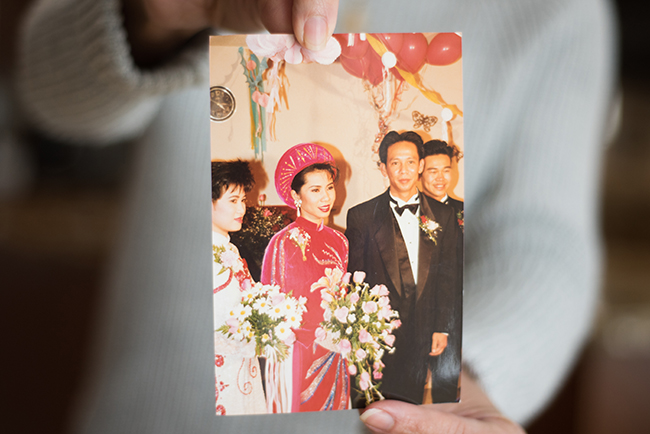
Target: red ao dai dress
{"x":295,"y":258}
{"x":237,"y":370}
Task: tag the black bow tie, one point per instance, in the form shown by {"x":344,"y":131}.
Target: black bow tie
{"x":413,"y":207}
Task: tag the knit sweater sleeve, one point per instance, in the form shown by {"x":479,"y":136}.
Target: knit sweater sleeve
{"x":538,"y":89}
{"x":77,"y":79}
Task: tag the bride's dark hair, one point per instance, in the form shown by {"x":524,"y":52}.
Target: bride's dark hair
{"x":299,"y":179}
{"x":226,"y":174}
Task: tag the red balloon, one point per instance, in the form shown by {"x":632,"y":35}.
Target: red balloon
{"x":358,"y":48}
{"x":392,"y":41}
{"x":413,"y":53}
{"x":374,"y":72}
{"x":355,"y":67}
{"x":444,"y":49}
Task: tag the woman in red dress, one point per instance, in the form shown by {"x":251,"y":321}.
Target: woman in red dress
{"x":295,"y":258}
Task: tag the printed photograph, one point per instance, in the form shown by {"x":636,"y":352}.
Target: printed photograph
{"x":337,"y":221}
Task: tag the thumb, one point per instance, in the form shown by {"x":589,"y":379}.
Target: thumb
{"x":402,"y":418}
{"x":396,"y":417}
{"x":314,"y":22}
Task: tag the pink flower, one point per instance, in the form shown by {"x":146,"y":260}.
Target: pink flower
{"x":346,"y":278}
{"x":364,"y":383}
{"x":383,"y":290}
{"x":328,"y":55}
{"x":378,"y":364}
{"x":345,"y":347}
{"x":384,"y":302}
{"x":293,"y":54}
{"x":329,"y":281}
{"x":320,"y":333}
{"x":377,"y":375}
{"x":260,"y":98}
{"x":390,"y":340}
{"x":369,"y":307}
{"x":262,"y":198}
{"x":246,"y":285}
{"x":364,"y":336}
{"x":384,"y":313}
{"x":285,"y":47}
{"x":264,"y":100}
{"x":352,"y":369}
{"x":278,"y":299}
{"x":341,"y":314}
{"x":251,"y":65}
{"x":395,"y":324}
{"x":354,"y":297}
{"x":327,"y":314}
{"x":326,"y":296}
{"x":266,"y":213}
{"x":229,"y":259}
{"x":273,"y":46}
{"x":233,"y":324}
{"x":358,"y":276}
{"x":360,"y":354}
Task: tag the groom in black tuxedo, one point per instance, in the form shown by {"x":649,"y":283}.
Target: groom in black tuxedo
{"x":422,"y":275}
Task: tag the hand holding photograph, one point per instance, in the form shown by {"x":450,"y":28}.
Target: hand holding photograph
{"x":337,"y":186}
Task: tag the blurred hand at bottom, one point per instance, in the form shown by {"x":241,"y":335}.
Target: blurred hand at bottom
{"x":475,"y":414}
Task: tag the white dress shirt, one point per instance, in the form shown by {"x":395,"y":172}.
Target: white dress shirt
{"x":408,"y":225}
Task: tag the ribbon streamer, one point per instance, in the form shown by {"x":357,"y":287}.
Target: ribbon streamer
{"x":414,"y":80}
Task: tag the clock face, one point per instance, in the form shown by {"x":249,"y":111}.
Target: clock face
{"x":222,"y":103}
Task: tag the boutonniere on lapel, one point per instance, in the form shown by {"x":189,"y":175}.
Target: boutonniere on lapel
{"x":460,"y":216}
{"x":301,"y":239}
{"x":430,"y":227}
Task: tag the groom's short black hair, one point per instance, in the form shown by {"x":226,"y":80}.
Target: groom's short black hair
{"x":228,"y":173}
{"x":394,"y":137}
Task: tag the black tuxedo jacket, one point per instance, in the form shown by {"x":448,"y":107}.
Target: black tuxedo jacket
{"x":456,"y":204}
{"x":372,"y":232}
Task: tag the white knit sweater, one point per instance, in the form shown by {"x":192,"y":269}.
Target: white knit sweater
{"x":537,"y":89}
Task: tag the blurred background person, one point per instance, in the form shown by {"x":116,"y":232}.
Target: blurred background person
{"x":498,"y":77}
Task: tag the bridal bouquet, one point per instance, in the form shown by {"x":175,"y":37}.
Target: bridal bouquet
{"x":267,"y":316}
{"x":360,"y":322}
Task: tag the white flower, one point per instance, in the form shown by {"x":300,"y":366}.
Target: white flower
{"x":276,"y":312}
{"x":365,"y":318}
{"x":243,"y":312}
{"x":282,"y":331}
{"x":352,"y":318}
{"x":293,"y":320}
{"x":262,"y":306}
{"x":250,"y":294}
{"x":348,"y":330}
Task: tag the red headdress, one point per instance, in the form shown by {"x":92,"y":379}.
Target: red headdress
{"x":293,"y":161}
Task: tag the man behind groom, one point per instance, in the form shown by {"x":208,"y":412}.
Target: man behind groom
{"x":393,"y":238}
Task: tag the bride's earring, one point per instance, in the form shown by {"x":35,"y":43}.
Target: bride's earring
{"x":298,"y":205}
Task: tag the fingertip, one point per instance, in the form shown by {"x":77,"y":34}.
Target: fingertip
{"x":314,"y":22}
{"x":377,"y":420}
{"x":315,"y":33}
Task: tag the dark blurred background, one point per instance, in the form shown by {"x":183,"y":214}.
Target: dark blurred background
{"x":60,"y":210}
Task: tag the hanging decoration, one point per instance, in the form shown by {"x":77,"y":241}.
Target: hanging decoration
{"x":269,"y":73}
{"x":387,"y":62}
{"x":420,"y":120}
{"x":253,"y":68}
